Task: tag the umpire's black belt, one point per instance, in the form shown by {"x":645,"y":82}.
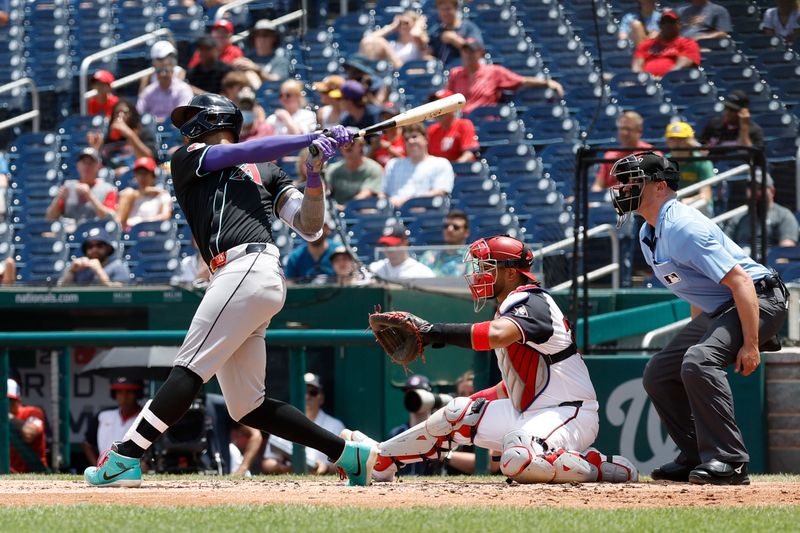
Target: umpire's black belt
{"x":769,"y":285}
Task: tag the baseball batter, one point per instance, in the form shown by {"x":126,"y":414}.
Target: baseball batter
{"x":545,"y":403}
{"x":230,"y":193}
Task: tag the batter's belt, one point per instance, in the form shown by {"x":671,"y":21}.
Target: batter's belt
{"x":223,"y":258}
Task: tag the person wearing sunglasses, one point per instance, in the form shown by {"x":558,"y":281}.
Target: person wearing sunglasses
{"x":97,"y":266}
{"x":455,"y":231}
{"x":293,"y":117}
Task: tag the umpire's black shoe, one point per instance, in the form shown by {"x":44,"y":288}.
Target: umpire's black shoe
{"x":672,"y":471}
{"x":716,"y":472}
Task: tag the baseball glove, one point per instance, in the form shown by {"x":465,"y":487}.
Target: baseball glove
{"x":400,"y":335}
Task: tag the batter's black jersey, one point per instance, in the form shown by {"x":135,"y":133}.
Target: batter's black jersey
{"x":228,"y":207}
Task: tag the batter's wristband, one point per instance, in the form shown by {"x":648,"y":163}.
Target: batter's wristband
{"x":480,"y":336}
{"x":313,"y":180}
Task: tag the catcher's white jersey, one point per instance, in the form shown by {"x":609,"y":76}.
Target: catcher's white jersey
{"x":532,"y":383}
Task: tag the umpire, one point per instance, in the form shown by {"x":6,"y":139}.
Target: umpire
{"x":738,"y":307}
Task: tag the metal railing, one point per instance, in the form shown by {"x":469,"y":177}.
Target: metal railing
{"x":283,"y":19}
{"x":87,"y":62}
{"x":296,"y":340}
{"x":32,"y":115}
{"x":612,"y":268}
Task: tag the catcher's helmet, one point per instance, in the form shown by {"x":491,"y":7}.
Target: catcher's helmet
{"x":633,"y":171}
{"x":207,"y":112}
{"x":483,"y":258}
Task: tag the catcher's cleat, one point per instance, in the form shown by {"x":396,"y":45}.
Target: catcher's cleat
{"x":114,"y":470}
{"x":357,"y":461}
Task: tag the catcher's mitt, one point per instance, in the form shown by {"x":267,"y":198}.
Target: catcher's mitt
{"x":400,"y":335}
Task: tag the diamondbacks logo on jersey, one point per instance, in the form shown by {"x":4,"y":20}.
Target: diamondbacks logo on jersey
{"x":247,"y":171}
{"x":672,"y":278}
{"x":195,"y":146}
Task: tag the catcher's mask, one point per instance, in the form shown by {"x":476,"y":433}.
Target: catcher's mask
{"x":632,"y":172}
{"x":483,"y":258}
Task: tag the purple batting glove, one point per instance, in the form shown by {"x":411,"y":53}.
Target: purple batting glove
{"x":341,"y":135}
{"x":326,"y":148}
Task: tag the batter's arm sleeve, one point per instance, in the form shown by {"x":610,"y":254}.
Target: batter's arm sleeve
{"x":261,"y":150}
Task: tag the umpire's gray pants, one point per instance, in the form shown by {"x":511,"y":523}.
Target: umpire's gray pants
{"x":689,"y":387}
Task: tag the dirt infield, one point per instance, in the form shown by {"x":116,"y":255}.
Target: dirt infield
{"x":430,"y":492}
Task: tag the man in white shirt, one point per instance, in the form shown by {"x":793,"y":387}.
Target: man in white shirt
{"x":418,"y":174}
{"x":398,"y":264}
{"x":111,"y":424}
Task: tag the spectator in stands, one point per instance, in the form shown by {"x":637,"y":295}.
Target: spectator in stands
{"x":8,"y":271}
{"x":642,"y":24}
{"x":312,"y":259}
{"x":418,"y":174}
{"x":397,"y":264}
{"x":629,"y":135}
{"x":361,"y":69}
{"x":98,"y":266}
{"x":110,"y":425}
{"x":682,"y":143}
{"x":705,"y":20}
{"x":451,"y":136}
{"x":465,"y":384}
{"x":193,"y":270}
{"x":27,"y":428}
{"x":390,"y":143}
{"x":293,"y":118}
{"x":167,"y":92}
{"x":357,"y":112}
{"x":782,"y":227}
{"x":88,"y":197}
{"x":433,"y":467}
{"x":254,"y":118}
{"x":266,"y":60}
{"x":447,"y":36}
{"x":147,"y":202}
{"x":206,"y":76}
{"x":734,"y":126}
{"x":233,"y":82}
{"x":783,"y":21}
{"x":105,"y":99}
{"x":668,"y":51}
{"x":4,"y":172}
{"x":277,"y":455}
{"x":163,"y":50}
{"x":221,"y":32}
{"x":125,"y":140}
{"x":482,"y":84}
{"x":244,"y":447}
{"x":347,"y":270}
{"x":354,"y":177}
{"x":4,"y":10}
{"x":330,"y":111}
{"x":411,"y":44}
{"x":455,"y":231}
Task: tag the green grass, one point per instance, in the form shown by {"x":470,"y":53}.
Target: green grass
{"x":304,"y":519}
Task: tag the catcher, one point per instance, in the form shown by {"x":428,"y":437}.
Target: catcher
{"x":545,"y":404}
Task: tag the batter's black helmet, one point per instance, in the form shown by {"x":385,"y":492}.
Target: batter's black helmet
{"x":207,"y":112}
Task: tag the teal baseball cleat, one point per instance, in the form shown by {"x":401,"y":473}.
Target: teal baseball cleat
{"x":114,"y":470}
{"x":357,"y":461}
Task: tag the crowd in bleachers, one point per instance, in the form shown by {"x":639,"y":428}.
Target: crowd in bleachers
{"x":533,"y":72}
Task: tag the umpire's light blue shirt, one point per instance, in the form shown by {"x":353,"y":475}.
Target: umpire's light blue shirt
{"x":692,"y":255}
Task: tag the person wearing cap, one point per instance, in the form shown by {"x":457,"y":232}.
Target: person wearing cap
{"x":233,"y":82}
{"x":28,"y":451}
{"x":312,"y":259}
{"x":278,"y":453}
{"x":390,"y":143}
{"x":359,"y":68}
{"x":254,"y":118}
{"x":482,"y":84}
{"x":357,"y":112}
{"x":162,"y":50}
{"x":411,"y":43}
{"x":147,"y":202}
{"x":168,"y":90}
{"x":630,"y":125}
{"x":105,"y":99}
{"x":330,"y":95}
{"x":641,"y":24}
{"x":419,"y":174}
{"x":397,"y":264}
{"x":449,"y":262}
{"x":86,"y":198}
{"x":293,"y":117}
{"x":451,"y":136}
{"x":680,"y":139}
{"x":206,"y":76}
{"x":734,"y":126}
{"x":783,"y":21}
{"x":125,"y":139}
{"x":110,"y":425}
{"x":668,"y":51}
{"x":447,"y":36}
{"x":355,"y":176}
{"x":347,"y":271}
{"x":221,"y":32}
{"x":782,"y":226}
{"x":265,"y":59}
{"x":98,"y":264}
{"x":737,"y":307}
{"x":705,"y":20}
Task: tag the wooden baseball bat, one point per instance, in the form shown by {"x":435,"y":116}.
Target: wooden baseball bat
{"x":414,"y":115}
